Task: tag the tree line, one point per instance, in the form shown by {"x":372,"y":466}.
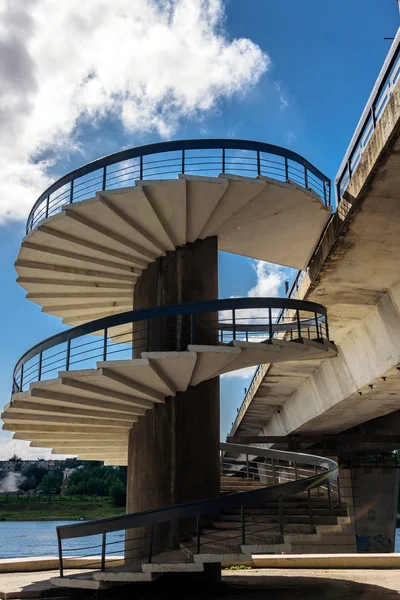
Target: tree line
{"x":76,"y":478}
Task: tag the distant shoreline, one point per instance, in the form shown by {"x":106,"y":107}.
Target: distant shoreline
{"x":56,"y":510}
{"x":57,"y":518}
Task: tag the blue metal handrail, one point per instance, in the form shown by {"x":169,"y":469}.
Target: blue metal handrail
{"x":228,"y":327}
{"x":373,"y":110}
{"x":170,"y":159}
{"x":321,"y":472}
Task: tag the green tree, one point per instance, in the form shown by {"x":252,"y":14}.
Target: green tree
{"x":16,"y":458}
{"x":118,"y":493}
{"x":34,"y":475}
{"x":51,"y":483}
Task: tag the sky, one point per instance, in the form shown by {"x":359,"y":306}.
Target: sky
{"x":100,"y":76}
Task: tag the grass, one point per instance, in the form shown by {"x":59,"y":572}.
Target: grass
{"x":28,"y":510}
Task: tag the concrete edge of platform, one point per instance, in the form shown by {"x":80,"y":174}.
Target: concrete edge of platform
{"x":50,"y":563}
{"x":326,"y":561}
{"x":259,"y":561}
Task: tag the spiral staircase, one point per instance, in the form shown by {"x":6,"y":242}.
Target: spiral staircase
{"x":94,"y":232}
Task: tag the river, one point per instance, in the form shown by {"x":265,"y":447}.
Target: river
{"x":38,"y":538}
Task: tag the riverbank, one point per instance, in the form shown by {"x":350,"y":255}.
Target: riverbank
{"x":55,"y":510}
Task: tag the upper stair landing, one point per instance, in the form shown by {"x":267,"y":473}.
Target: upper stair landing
{"x":90,"y":235}
{"x":81,"y":392}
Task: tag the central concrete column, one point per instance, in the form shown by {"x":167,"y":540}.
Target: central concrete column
{"x":173,"y":454}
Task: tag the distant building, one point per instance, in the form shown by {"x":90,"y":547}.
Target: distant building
{"x":10,"y":466}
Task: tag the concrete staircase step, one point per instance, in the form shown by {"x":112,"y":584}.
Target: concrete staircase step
{"x":254,"y":526}
{"x":215,"y":554}
{"x":124,"y":575}
{"x":81,"y":581}
{"x":266,"y":548}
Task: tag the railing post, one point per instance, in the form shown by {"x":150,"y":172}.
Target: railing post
{"x":247,"y":467}
{"x":316,"y":324}
{"x":271,"y":333}
{"x":47,"y":205}
{"x":223,"y":160}
{"x":68,"y":355}
{"x":60,"y":557}
{"x":373,"y":117}
{"x":141,"y":167}
{"x":338,"y":488}
{"x":233,"y":324}
{"x":183,"y":161}
{"x":273,"y":471}
{"x":198,"y":534}
{"x":328,"y":487}
{"x":192,"y":328}
{"x":298,"y":324}
{"x":103,"y":551}
{"x":243,"y":515}
{"x":295,"y":471}
{"x":325,"y":193}
{"x":147,"y":336}
{"x":71,"y":192}
{"x":22,"y":377}
{"x":105,"y":344}
{"x":305,"y":177}
{"x":151,"y":542}
{"x":104,"y":178}
{"x":281,"y":515}
{"x":40,"y":365}
{"x":310,"y":510}
{"x":349,"y":168}
{"x":258,"y":163}
{"x":286,"y":169}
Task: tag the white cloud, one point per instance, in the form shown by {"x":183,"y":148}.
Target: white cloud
{"x":283,"y":101}
{"x":291,"y":138}
{"x":144,"y":63}
{"x":245,"y":373}
{"x":269,"y":279}
{"x":24,"y":451}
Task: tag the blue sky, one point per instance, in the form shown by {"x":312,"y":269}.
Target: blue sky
{"x":320,"y":62}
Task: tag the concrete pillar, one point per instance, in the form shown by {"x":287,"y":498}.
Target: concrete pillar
{"x":375,"y":496}
{"x":173,"y":452}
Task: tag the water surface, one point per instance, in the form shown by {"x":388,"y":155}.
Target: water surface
{"x":38,"y":538}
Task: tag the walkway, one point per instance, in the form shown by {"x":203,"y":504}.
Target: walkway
{"x":279,"y":584}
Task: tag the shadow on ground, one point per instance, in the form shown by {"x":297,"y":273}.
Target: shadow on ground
{"x":243,"y":587}
{"x":259,"y":588}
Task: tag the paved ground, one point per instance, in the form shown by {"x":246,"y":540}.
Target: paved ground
{"x":28,"y":585}
{"x":260,"y":584}
{"x":315,"y":584}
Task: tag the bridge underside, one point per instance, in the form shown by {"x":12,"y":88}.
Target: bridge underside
{"x":355,"y":273}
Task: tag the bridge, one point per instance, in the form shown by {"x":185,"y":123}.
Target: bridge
{"x":124,"y":250}
{"x":349,"y":404}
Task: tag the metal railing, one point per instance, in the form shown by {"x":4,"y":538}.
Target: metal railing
{"x":169,"y":160}
{"x":307,"y":473}
{"x":373,"y":111}
{"x":257,"y":373}
{"x":170,"y":328}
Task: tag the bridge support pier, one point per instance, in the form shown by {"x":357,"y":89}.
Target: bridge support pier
{"x":173,"y":454}
{"x":371,"y":495}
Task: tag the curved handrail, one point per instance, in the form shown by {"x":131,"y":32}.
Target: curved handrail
{"x":213,"y":505}
{"x":308,"y":176}
{"x":240,"y":326}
